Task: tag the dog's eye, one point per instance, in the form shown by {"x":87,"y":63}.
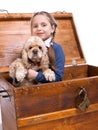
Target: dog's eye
{"x":30,"y":47}
{"x":40,"y":47}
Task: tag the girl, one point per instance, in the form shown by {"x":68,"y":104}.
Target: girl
{"x":44,"y":26}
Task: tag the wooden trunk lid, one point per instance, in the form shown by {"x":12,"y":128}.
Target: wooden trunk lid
{"x":15,"y":29}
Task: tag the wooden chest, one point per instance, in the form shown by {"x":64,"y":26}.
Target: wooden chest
{"x":51,"y":106}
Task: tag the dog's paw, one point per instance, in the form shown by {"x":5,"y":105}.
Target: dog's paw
{"x":20,"y":75}
{"x":49,"y":75}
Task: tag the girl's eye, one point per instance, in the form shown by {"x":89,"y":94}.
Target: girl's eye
{"x":35,"y":26}
{"x":44,"y":25}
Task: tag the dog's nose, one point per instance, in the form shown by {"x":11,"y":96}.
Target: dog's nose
{"x":34,"y":51}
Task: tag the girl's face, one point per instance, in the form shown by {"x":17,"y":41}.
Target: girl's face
{"x":41,"y":27}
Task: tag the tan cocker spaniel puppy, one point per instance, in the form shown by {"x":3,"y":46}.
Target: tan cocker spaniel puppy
{"x":34,"y":56}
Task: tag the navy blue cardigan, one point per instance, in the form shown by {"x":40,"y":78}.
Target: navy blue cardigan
{"x":60,"y":62}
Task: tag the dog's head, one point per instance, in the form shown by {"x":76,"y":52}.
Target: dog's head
{"x":33,"y":50}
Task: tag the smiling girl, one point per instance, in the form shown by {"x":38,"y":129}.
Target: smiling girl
{"x":44,"y":26}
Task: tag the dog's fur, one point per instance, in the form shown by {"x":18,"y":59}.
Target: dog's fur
{"x":34,"y":56}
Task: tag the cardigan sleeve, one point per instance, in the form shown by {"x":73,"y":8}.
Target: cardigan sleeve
{"x":60,"y":62}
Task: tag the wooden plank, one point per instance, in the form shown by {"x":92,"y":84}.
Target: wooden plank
{"x":69,"y":119}
{"x":53,"y":97}
{"x":7,"y":106}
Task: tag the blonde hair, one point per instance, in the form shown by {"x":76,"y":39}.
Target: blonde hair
{"x":51,"y":20}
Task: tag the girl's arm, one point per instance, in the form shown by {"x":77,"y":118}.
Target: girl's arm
{"x":60,"y":62}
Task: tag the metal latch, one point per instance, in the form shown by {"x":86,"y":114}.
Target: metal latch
{"x":82,"y":101}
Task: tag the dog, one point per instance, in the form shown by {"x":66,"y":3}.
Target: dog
{"x":34,"y":56}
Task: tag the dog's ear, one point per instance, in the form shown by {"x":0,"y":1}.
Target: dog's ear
{"x":25,"y":58}
{"x":45,"y":62}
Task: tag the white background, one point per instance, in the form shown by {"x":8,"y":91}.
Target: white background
{"x":85,"y":17}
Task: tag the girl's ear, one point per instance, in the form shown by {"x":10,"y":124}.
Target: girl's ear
{"x":53,"y":28}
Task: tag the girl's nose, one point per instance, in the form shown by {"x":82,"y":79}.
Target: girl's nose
{"x":39,"y":28}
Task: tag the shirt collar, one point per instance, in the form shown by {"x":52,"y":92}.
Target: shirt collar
{"x":48,"y":42}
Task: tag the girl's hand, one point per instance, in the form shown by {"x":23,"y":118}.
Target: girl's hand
{"x":32,"y":74}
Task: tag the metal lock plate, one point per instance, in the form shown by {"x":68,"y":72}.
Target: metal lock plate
{"x":82,"y":101}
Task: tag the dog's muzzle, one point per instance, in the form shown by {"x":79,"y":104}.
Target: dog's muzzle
{"x":35,"y":52}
